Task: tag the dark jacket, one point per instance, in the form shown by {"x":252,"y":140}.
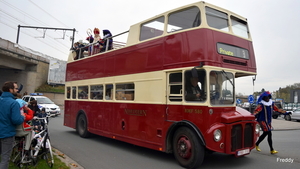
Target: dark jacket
{"x":35,"y":109}
{"x":107,"y":34}
{"x":191,"y":92}
{"x":10,"y":115}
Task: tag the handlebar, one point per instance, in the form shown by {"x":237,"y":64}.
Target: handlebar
{"x":45,"y":119}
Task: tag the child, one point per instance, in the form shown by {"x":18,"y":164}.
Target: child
{"x":26,"y":110}
{"x":42,"y":115}
{"x":28,"y":116}
{"x":38,"y":124}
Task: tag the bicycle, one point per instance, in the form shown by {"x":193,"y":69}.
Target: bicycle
{"x":40,"y":147}
{"x":20,"y":157}
{"x":41,"y":141}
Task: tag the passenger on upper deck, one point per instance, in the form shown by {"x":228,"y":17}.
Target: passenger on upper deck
{"x":90,"y":48}
{"x":97,"y":38}
{"x":106,"y":34}
{"x":78,"y":48}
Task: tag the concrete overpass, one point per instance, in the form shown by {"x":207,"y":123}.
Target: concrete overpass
{"x":22,"y":65}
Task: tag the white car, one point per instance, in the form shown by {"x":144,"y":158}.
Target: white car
{"x":43,"y":102}
{"x":296,"y":115}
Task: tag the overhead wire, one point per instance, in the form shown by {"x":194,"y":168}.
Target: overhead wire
{"x":25,"y":32}
{"x":51,"y":15}
{"x":35,"y":19}
{"x":33,"y":37}
{"x":47,"y":13}
{"x":28,"y":30}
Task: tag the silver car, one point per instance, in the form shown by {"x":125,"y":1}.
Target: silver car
{"x":43,"y":102}
{"x":296,"y":115}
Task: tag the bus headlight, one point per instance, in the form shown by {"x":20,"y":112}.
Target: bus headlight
{"x":217,"y":135}
{"x":257,"y":128}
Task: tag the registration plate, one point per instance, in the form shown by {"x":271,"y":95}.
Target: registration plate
{"x":243,"y":152}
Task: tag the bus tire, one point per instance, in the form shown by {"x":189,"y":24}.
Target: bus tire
{"x":187,"y":148}
{"x":81,"y":126}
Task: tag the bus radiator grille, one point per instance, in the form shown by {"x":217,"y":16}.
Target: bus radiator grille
{"x":238,"y":136}
{"x":248,"y":136}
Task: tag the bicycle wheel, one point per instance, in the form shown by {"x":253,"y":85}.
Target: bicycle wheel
{"x":18,"y":156}
{"x":16,"y":153}
{"x":48,"y":153}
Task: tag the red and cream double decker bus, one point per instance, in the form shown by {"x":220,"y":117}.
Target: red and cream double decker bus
{"x":171,"y":87}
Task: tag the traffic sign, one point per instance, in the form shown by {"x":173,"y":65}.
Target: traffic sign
{"x":238,"y":101}
{"x":251,"y":99}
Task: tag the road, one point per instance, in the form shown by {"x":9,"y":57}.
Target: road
{"x":104,"y":153}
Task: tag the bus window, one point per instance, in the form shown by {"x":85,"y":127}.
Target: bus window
{"x":221,"y":87}
{"x":73,"y":92}
{"x":217,"y":19}
{"x":175,"y":86}
{"x":152,"y":29}
{"x":109,"y":91}
{"x":125,"y":91}
{"x":83,"y":92}
{"x":187,"y":18}
{"x":96,"y":92}
{"x":68,"y":92}
{"x":239,"y":27}
{"x":195,"y":89}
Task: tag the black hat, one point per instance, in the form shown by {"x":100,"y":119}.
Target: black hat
{"x":194,"y":72}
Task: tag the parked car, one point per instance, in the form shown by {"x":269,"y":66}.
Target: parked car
{"x":296,"y":115}
{"x":276,"y":114}
{"x":249,"y":107}
{"x":43,"y":102}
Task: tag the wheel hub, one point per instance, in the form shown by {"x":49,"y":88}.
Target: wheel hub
{"x":184,"y":147}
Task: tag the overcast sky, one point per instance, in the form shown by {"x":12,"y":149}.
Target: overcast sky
{"x":274,"y":25}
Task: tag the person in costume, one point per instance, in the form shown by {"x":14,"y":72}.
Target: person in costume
{"x":263,"y":114}
{"x":109,"y":45}
{"x":97,"y":39}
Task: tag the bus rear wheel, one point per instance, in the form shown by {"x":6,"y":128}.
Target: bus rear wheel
{"x":187,"y":148}
{"x":81,"y":126}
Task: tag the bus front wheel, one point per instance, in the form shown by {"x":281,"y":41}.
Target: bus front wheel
{"x":81,"y":126}
{"x":187,"y":148}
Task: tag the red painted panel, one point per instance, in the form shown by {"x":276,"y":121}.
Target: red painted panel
{"x":173,"y":51}
{"x":146,"y":125}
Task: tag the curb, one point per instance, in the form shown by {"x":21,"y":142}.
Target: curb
{"x":66,"y":159}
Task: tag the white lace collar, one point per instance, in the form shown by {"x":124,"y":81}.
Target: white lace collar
{"x":269,"y":103}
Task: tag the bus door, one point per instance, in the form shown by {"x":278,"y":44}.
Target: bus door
{"x":174,"y":96}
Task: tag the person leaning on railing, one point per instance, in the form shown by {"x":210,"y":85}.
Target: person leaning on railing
{"x":107,"y":41}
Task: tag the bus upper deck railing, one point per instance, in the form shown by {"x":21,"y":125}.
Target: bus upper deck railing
{"x":115,"y":45}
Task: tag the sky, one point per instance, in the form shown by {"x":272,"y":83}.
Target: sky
{"x":274,"y":27}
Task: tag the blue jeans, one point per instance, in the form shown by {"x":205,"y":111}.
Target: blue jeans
{"x":6,"y":148}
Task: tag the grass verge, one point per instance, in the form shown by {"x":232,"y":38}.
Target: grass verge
{"x":58,"y":163}
{"x":51,"y":89}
